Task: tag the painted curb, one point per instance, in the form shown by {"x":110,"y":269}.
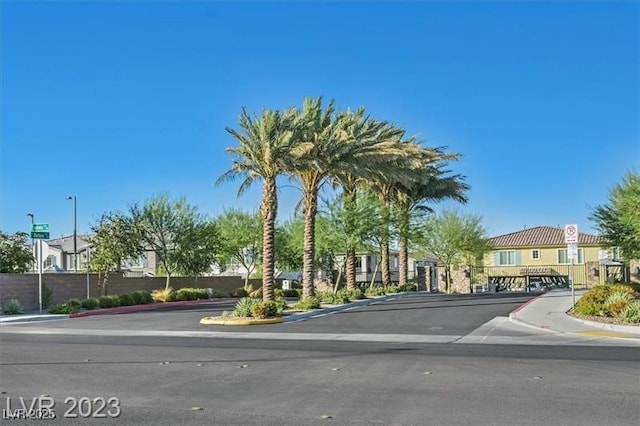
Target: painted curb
{"x":621,"y":328}
{"x":33,"y":318}
{"x":148,"y":307}
{"x":240,"y":321}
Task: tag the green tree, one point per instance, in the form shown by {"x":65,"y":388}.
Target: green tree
{"x":240,"y":239}
{"x":453,"y":238}
{"x":116,"y":238}
{"x":15,"y":254}
{"x":619,"y":220}
{"x":184,"y":241}
{"x":289,"y":237}
{"x":263,"y":153}
{"x":433,"y":184}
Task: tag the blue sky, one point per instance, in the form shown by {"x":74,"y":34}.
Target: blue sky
{"x":115,"y":101}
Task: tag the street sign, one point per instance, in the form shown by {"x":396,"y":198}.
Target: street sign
{"x":571,"y":234}
{"x":572,"y":251}
{"x":38,"y":235}
{"x":39,"y":227}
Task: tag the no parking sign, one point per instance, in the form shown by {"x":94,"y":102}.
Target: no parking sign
{"x":571,"y":234}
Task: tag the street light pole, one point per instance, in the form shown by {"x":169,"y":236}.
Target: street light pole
{"x":33,"y":243}
{"x":75,"y":236}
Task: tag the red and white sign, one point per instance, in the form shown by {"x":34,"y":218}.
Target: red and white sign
{"x":571,"y":234}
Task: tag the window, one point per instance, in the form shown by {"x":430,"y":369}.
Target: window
{"x":50,"y":261}
{"x":510,"y":257}
{"x":563,"y":257}
{"x":535,"y":254}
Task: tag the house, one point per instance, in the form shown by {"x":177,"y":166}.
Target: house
{"x":539,"y":256}
{"x":59,"y":256}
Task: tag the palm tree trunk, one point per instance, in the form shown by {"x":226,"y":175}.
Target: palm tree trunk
{"x":166,"y":285}
{"x":268,"y":210}
{"x":349,"y":197}
{"x":403,"y":262}
{"x":308,"y":257}
{"x":384,"y":252}
{"x":351,"y":268}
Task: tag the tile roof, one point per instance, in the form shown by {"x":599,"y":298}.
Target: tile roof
{"x":541,"y":236}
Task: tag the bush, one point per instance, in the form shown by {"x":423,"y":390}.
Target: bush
{"x":191,"y":294}
{"x":90,"y":304}
{"x":263,"y":310}
{"x":374,"y":291}
{"x":13,"y":306}
{"x":108,"y":301}
{"x":243,"y":307}
{"x":47,"y":294}
{"x":597,"y":295}
{"x":125,"y":300}
{"x":632,"y":312}
{"x":617,"y":302}
{"x":64,"y":308}
{"x":162,"y":295}
{"x":308,"y":304}
{"x":281,"y":304}
{"x":240,"y":292}
{"x":332,"y":298}
{"x":589,"y":309}
{"x":256,"y":294}
{"x":356,"y":294}
{"x":76,"y":303}
{"x":141,"y":297}
{"x":293,"y":292}
{"x":214,"y":293}
{"x":407,"y":287}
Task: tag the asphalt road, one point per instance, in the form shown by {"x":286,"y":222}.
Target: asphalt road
{"x":191,"y":380}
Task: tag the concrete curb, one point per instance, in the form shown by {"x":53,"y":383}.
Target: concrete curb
{"x":148,"y":307}
{"x":622,"y":328}
{"x":33,"y":318}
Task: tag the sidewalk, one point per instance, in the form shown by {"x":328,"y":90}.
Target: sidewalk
{"x":548,"y":312}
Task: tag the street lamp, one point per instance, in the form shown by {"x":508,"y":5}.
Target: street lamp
{"x":75,"y":236}
{"x":33,"y":242}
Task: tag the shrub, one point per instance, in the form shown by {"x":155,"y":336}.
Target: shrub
{"x":407,"y":287}
{"x":213,"y":293}
{"x":90,"y":304}
{"x":141,"y":297}
{"x":597,"y":295}
{"x":125,"y":300}
{"x":243,"y":307}
{"x":332,"y":298}
{"x":617,"y":302}
{"x":374,"y":291}
{"x":191,"y":294}
{"x":356,"y":294}
{"x":292,"y":292}
{"x":281,"y":304}
{"x":589,"y":309}
{"x":76,"y":303}
{"x":308,"y":304}
{"x":256,"y":294}
{"x":108,"y":301}
{"x":632,"y":312}
{"x":162,"y":295}
{"x":240,"y":292}
{"x":264,"y":310}
{"x":47,"y":293}
{"x":63,"y":308}
{"x":13,"y":306}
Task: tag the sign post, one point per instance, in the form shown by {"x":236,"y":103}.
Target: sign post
{"x":571,"y":240}
{"x":40,"y":231}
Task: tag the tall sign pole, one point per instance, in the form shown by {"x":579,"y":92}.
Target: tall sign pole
{"x":571,"y":240}
{"x":40,"y":231}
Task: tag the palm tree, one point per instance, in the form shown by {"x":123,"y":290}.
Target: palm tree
{"x":264,"y":152}
{"x":432,"y":185}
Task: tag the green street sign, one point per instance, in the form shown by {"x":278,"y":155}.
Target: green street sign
{"x":39,"y":235}
{"x":39,"y":227}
